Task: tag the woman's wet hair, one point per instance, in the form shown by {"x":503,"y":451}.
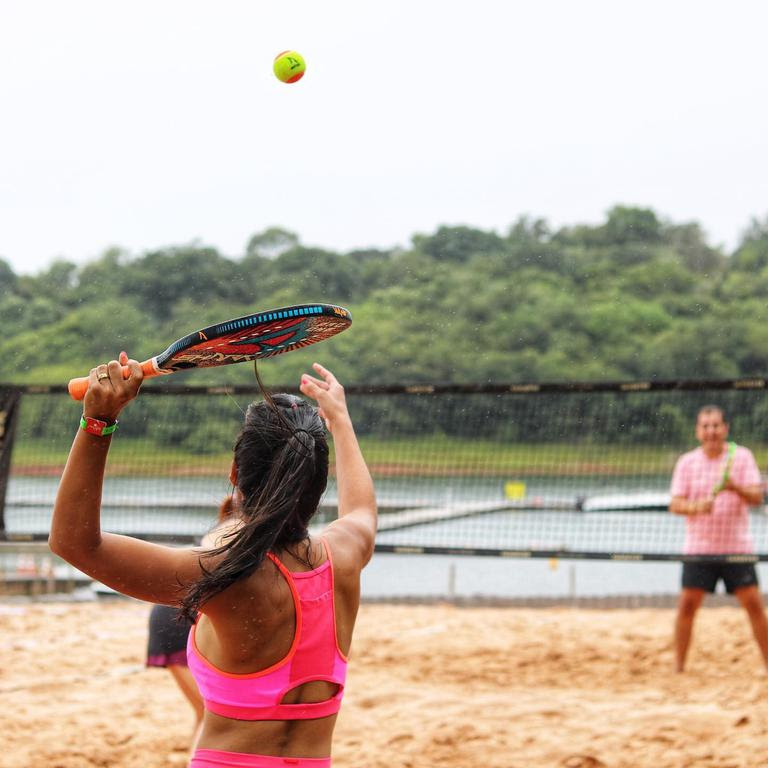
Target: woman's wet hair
{"x":281,"y":455}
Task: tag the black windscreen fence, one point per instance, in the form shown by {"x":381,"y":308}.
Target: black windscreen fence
{"x":515,"y":470}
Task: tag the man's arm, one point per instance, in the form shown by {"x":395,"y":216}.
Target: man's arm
{"x":746,"y":482}
{"x":682,"y":506}
{"x":752,"y":494}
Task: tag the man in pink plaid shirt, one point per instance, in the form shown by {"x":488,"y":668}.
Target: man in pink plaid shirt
{"x":713,"y":486}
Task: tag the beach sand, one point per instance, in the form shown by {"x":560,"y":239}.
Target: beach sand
{"x":437,"y":685}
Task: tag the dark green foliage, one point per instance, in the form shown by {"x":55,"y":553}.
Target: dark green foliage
{"x":8,"y":280}
{"x":632,"y":297}
{"x":457,"y":244}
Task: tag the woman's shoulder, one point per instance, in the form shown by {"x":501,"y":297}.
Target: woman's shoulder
{"x":219,"y":534}
{"x":342,"y":550}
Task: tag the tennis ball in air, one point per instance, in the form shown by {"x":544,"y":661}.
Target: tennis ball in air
{"x":289,"y":66}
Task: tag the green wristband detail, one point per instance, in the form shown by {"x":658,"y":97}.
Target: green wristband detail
{"x":97,"y":426}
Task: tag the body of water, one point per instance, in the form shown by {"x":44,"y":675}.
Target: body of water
{"x":187,"y":506}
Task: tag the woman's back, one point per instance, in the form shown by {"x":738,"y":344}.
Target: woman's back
{"x":270,"y":653}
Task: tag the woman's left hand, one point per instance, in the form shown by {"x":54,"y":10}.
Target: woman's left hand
{"x":110,"y":390}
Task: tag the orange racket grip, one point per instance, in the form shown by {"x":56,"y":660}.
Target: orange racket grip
{"x":79,"y":386}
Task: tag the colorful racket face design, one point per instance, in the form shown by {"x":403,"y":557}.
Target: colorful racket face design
{"x":251,"y":337}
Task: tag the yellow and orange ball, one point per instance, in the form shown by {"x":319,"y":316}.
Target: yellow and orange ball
{"x":289,"y":66}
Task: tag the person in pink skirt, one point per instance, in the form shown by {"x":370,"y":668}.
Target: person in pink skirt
{"x":168,"y":629}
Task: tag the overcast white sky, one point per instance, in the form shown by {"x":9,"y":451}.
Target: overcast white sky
{"x":146,"y":124}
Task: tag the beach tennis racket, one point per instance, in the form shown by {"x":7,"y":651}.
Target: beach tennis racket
{"x":727,"y":470}
{"x":251,"y":337}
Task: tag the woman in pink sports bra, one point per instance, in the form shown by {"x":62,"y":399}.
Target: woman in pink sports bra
{"x":274,"y":607}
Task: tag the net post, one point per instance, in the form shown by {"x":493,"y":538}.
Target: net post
{"x":9,"y":406}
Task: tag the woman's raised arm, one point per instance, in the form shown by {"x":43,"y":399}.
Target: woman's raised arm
{"x":147,"y":571}
{"x":357,"y":500}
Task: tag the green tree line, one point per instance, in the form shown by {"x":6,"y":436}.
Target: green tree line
{"x":635,"y":296}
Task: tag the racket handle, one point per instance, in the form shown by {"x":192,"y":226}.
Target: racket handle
{"x":79,"y":386}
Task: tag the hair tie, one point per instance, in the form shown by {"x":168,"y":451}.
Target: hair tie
{"x":307,"y":443}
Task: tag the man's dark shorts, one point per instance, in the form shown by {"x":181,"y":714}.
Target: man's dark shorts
{"x":706,"y":575}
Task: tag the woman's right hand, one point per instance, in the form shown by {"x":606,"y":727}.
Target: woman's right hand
{"x":329,"y":395}
{"x":108,"y":391}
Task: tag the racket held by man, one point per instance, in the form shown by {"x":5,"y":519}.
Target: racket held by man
{"x":726,"y":470}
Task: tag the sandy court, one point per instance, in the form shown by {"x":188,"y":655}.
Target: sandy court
{"x":428,"y":686}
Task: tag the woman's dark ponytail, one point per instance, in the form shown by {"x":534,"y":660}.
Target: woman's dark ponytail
{"x":281,"y":455}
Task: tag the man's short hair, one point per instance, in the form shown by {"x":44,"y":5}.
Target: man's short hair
{"x":712,"y":409}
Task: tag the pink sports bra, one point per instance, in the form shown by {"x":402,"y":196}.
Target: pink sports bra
{"x":314,"y":655}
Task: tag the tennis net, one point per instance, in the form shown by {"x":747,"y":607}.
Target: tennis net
{"x":578,"y":470}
